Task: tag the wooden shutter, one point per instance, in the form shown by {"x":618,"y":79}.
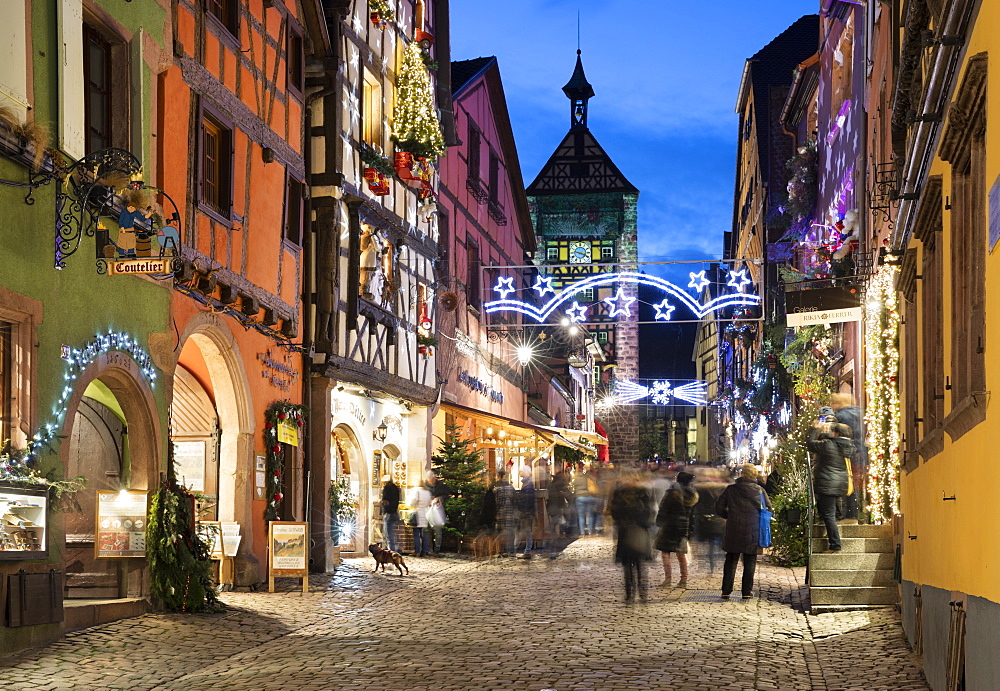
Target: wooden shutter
{"x":71,"y":112}
{"x":13,"y":55}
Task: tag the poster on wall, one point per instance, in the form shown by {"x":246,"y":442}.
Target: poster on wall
{"x":288,"y":432}
{"x":189,"y":464}
{"x":121,"y":524}
{"x":287,"y":547}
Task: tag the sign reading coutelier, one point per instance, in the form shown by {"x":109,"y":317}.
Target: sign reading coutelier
{"x":139,"y":266}
{"x":823,"y":306}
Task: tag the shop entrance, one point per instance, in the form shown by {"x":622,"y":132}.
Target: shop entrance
{"x":349,"y":460}
{"x":99,"y":451}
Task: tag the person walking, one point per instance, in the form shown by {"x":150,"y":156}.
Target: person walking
{"x":506,"y":513}
{"x":740,"y":505}
{"x":439,"y":495}
{"x":584,"y":489}
{"x":419,"y":499}
{"x":526,"y":511}
{"x":675,"y":517}
{"x":630,"y":509}
{"x":390,"y":512}
{"x":848,"y":413}
{"x":557,"y":501}
{"x":833,"y":448}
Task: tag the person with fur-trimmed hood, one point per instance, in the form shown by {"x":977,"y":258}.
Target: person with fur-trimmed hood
{"x":675,"y":518}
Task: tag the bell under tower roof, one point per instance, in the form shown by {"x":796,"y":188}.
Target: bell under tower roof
{"x":578,"y":90}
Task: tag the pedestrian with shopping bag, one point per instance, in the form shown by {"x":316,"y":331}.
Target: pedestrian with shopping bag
{"x":742,"y":505}
{"x":832,"y":448}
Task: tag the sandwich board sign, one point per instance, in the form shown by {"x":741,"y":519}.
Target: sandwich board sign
{"x":287,"y":543}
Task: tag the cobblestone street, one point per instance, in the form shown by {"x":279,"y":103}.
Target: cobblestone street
{"x":455,"y":624}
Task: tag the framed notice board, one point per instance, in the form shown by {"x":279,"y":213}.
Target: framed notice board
{"x":287,"y":543}
{"x":120,"y":525}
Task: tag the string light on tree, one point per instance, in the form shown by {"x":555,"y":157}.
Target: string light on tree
{"x":417,"y":129}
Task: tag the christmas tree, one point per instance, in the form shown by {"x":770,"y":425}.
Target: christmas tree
{"x":416,"y":127}
{"x":459,"y":466}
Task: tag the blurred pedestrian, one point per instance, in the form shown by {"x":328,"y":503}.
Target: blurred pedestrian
{"x":833,"y":448}
{"x":525,"y":499}
{"x":419,"y":500}
{"x":584,"y":489}
{"x":740,"y":505}
{"x":629,"y":507}
{"x":390,"y":512}
{"x":557,"y":502}
{"x":675,"y":517}
{"x":506,"y":513}
{"x":439,"y":495}
{"x":848,"y":413}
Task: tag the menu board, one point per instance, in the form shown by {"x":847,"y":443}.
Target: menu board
{"x":120,"y":524}
{"x":288,"y":548}
{"x":211,"y":533}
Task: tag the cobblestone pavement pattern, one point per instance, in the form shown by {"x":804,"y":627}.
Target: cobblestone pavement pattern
{"x":453,"y":624}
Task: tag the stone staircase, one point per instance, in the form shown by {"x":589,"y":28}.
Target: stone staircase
{"x":860,"y":576}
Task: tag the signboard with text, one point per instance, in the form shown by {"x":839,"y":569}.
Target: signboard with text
{"x":120,"y":525}
{"x":123,"y":267}
{"x":823,"y":306}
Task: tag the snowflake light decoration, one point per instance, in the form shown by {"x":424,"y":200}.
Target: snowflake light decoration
{"x":660,"y":393}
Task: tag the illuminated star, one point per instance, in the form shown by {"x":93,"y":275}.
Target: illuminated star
{"x":698,"y":281}
{"x":664,"y":310}
{"x":507,"y":281}
{"x":577,"y":313}
{"x":739,"y":279}
{"x":543,"y":284}
{"x":615,"y":303}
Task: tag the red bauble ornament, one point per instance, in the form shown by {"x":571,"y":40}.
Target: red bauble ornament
{"x":281,"y":416}
{"x":277,"y":497}
{"x":268,"y":426}
{"x":276,"y":449}
{"x":300,"y":423}
{"x":277,"y":473}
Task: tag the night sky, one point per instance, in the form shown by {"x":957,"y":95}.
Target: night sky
{"x":666,"y":76}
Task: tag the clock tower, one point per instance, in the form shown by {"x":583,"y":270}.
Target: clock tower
{"x":584,"y":213}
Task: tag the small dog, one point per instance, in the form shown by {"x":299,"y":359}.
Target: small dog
{"x":486,"y":546}
{"x":385,"y":556}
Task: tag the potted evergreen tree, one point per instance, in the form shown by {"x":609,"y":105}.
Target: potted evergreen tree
{"x":460,"y":466}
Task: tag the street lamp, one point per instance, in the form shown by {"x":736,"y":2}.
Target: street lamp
{"x":524,"y":354}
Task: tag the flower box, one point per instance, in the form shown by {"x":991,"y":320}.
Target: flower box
{"x":377,"y":182}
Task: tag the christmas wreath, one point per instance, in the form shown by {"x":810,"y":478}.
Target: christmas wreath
{"x":281,"y":412}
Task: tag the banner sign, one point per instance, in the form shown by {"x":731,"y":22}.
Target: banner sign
{"x":823,"y":306}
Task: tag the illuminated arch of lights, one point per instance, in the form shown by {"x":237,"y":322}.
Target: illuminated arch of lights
{"x":660,"y":393}
{"x":620,"y":303}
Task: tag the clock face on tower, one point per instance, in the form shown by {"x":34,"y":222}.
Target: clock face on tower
{"x":579,"y":252}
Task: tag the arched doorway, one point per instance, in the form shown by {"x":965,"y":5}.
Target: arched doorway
{"x":212,"y":425}
{"x":111,"y":439}
{"x":348,"y":458}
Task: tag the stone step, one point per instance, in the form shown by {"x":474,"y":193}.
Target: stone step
{"x":822,"y":609}
{"x":880,"y":578}
{"x":855,"y":530}
{"x":856,"y":545}
{"x":835,"y":595}
{"x":847,"y":561}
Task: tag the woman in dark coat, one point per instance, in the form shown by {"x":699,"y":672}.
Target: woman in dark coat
{"x":675,"y":518}
{"x":740,"y":505}
{"x":833,"y":448}
{"x":631,"y":509}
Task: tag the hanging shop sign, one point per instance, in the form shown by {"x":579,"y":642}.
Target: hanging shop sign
{"x":286,"y":546}
{"x":121,"y":524}
{"x":288,"y":432}
{"x":477,"y":384}
{"x":823,"y":306}
{"x":139,"y":266}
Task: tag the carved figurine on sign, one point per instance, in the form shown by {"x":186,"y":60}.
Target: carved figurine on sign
{"x":127,"y":230}
{"x":372,"y":266}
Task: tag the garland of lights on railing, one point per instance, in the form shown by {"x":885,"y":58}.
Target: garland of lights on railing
{"x":882,"y":415}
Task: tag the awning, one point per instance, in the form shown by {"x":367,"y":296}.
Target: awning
{"x":579,"y":437}
{"x":498,"y":420}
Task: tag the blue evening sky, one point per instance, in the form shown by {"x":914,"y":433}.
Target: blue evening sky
{"x":666,"y":76}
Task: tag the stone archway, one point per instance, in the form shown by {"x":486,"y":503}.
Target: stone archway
{"x":117,"y":432}
{"x":218,"y":350}
{"x":349,"y":459}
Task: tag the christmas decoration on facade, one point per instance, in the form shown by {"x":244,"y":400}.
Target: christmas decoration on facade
{"x":278,"y":415}
{"x":620,"y":302}
{"x":417,"y":129}
{"x":661,"y":392}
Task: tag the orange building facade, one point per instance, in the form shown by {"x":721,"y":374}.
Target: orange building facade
{"x":230,"y":156}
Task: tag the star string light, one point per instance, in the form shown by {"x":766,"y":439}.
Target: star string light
{"x":543,"y":285}
{"x":738,"y":279}
{"x":503,"y":281}
{"x":577,"y":313}
{"x":615,"y":303}
{"x":664,"y":310}
{"x":698,"y":281}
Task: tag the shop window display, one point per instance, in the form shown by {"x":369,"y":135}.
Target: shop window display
{"x":22,"y":522}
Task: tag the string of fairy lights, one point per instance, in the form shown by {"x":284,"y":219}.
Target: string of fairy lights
{"x":882,"y":416}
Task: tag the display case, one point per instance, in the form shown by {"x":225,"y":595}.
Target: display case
{"x":23,"y":521}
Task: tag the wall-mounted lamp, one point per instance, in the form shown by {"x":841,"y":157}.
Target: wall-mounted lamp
{"x":379,"y":433}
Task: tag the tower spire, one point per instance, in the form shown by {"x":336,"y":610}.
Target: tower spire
{"x":578,"y":90}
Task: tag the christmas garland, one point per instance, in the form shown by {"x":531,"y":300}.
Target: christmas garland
{"x":180,"y":570}
{"x":275,"y":413}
